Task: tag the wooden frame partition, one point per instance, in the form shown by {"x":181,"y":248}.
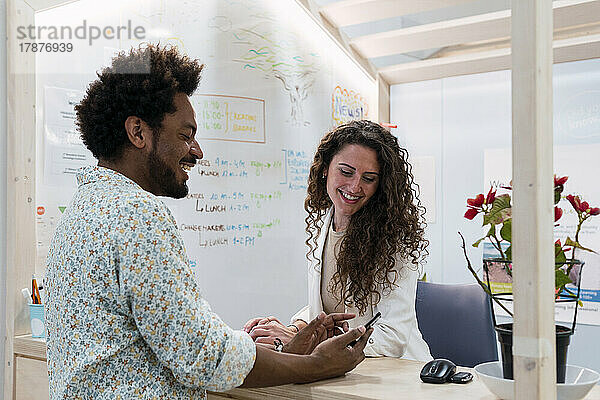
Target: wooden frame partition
{"x":533,"y":245}
{"x":20,"y":186}
{"x":20,"y":179}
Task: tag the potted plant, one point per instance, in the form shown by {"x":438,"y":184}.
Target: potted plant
{"x":497,"y":219}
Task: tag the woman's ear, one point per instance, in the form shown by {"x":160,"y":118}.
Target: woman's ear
{"x":138,"y":132}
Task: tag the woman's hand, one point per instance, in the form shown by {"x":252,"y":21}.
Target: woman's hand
{"x":251,"y":324}
{"x":266,"y":330}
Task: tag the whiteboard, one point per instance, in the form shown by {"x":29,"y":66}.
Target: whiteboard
{"x":274,"y":83}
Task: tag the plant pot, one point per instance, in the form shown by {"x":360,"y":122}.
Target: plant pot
{"x":498,"y":274}
{"x":563,"y":338}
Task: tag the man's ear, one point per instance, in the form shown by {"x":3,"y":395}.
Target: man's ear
{"x":138,"y":132}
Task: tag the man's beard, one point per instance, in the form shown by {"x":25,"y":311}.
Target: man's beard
{"x":164,"y":177}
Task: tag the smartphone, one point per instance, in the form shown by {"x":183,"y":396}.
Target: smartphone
{"x":372,"y":321}
{"x":368,"y":326}
{"x":461,"y":377}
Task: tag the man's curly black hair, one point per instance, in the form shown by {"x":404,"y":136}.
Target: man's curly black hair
{"x":141,"y":83}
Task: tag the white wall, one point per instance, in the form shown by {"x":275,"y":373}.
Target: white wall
{"x":2,"y":185}
{"x":454,"y":120}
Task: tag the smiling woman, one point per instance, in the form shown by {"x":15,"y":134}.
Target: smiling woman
{"x":365,"y":230}
{"x":351,"y":181}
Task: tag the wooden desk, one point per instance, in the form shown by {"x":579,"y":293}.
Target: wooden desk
{"x":375,"y":378}
{"x":30,"y":375}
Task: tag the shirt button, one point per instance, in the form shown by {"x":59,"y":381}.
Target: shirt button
{"x":371,"y":341}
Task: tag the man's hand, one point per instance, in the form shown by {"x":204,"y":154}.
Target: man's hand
{"x":322,"y":327}
{"x":337,"y":323}
{"x":336,"y":356}
{"x":265,"y":330}
{"x":305,"y":341}
{"x":333,"y":357}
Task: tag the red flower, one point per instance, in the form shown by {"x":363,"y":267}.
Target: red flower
{"x":471,"y":213}
{"x":477,"y":201}
{"x":583,"y":207}
{"x":575,"y":202}
{"x":489,"y":199}
{"x":558,"y":212}
{"x":557,"y":243}
{"x":560,"y":181}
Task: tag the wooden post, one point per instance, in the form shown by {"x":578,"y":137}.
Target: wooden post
{"x":533,"y":251}
{"x":20,"y":186}
{"x":382,"y":113}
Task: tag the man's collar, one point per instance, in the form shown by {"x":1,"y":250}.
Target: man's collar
{"x":95,"y":173}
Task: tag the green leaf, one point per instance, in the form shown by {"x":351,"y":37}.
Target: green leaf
{"x":561,"y":279}
{"x":506,"y":231}
{"x":490,"y":233}
{"x":557,"y":192}
{"x":559,"y":256}
{"x":499,"y":212}
{"x":476,"y":244}
{"x":508,"y":252}
{"x":570,"y":242}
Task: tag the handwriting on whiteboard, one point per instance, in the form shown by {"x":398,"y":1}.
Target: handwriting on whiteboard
{"x":230,"y":118}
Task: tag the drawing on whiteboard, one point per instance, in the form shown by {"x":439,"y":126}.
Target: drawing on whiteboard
{"x":151,"y":11}
{"x":277,"y":52}
{"x":220,"y":22}
{"x":297,"y":85}
{"x":347,"y":105}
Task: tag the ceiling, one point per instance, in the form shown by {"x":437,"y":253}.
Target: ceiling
{"x":403,"y":41}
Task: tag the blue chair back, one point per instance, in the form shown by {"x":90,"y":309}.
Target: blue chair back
{"x":456,"y":322}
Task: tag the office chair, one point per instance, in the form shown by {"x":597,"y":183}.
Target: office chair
{"x":456,"y":322}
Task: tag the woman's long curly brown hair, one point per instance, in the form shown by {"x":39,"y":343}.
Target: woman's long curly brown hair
{"x":389,"y":227}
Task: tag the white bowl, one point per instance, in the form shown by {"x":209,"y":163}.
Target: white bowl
{"x":578,"y":381}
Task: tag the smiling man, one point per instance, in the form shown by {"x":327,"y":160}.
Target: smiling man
{"x":124,"y":315}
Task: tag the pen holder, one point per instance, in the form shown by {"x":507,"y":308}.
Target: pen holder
{"x":36,"y":316}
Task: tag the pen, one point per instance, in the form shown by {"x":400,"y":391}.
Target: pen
{"x":35,"y":291}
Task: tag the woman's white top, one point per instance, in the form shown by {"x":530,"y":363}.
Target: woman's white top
{"x":396,"y":334}
{"x":331,"y":302}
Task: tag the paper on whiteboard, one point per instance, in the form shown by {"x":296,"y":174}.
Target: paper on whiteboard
{"x":64,"y":152}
